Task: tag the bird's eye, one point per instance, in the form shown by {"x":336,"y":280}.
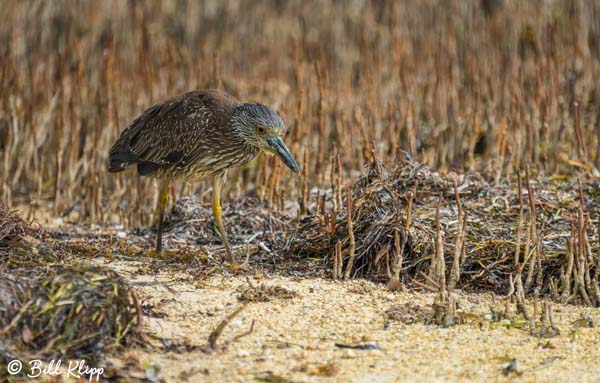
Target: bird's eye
{"x":261,"y":129}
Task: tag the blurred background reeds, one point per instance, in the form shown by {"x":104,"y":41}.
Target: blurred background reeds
{"x":488,"y":86}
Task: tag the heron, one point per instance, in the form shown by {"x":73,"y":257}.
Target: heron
{"x":198,"y":136}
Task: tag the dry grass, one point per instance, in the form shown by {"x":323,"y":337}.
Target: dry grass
{"x":463,"y":85}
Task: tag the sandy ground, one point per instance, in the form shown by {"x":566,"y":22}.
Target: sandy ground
{"x":294,"y":340}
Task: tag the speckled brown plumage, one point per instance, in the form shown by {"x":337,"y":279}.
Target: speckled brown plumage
{"x":196,"y":136}
{"x":189,"y":136}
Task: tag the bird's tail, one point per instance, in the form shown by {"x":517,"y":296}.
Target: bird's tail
{"x":118,"y":161}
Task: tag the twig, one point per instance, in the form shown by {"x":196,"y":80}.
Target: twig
{"x":424,"y":286}
{"x":216,"y":333}
{"x":247,"y":260}
{"x":245,"y":333}
{"x":428,"y":278}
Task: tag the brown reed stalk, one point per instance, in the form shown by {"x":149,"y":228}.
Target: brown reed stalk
{"x":534,"y":236}
{"x":458,"y":244}
{"x":566,"y":276}
{"x":321,"y":146}
{"x":501,"y":145}
{"x":597,"y":139}
{"x":438,"y":265}
{"x":521,"y":220}
{"x":351,"y":241}
{"x":411,"y":131}
{"x":394,"y":283}
{"x":520,"y":296}
{"x":409,"y":206}
{"x":339,"y":180}
{"x":581,"y":147}
{"x":305,"y":184}
{"x":273,"y":181}
{"x":473,"y":137}
{"x":336,"y":257}
{"x":444,"y":305}
{"x":6,"y":189}
{"x":334,"y":180}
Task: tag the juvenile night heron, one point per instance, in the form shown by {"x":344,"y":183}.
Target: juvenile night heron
{"x":196,"y":136}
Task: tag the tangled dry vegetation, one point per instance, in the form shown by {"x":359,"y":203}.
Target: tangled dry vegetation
{"x":415,"y":222}
{"x":14,"y":229}
{"x":440,"y":232}
{"x":53,"y":309}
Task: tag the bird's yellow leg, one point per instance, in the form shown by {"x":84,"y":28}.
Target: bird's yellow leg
{"x":217,"y":213}
{"x":163,"y":198}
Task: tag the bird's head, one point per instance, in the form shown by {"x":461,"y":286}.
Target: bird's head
{"x":262,"y":128}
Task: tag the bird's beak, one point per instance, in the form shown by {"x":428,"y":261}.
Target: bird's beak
{"x":278,"y":147}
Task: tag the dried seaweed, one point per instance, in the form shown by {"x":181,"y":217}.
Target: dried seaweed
{"x":264,"y":293}
{"x":66,"y":311}
{"x":13,"y":230}
{"x":560,"y":215}
{"x":247,"y":220}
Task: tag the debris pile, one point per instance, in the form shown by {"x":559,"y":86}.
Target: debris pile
{"x":13,"y":230}
{"x":65,"y":311}
{"x":247,"y":220}
{"x":264,"y":293}
{"x":51,"y":308}
{"x":413,"y":223}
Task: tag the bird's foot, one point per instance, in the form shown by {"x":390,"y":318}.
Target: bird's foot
{"x":234,"y":266}
{"x":153,"y":253}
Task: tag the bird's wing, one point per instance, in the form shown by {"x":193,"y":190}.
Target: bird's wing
{"x":171,"y":133}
